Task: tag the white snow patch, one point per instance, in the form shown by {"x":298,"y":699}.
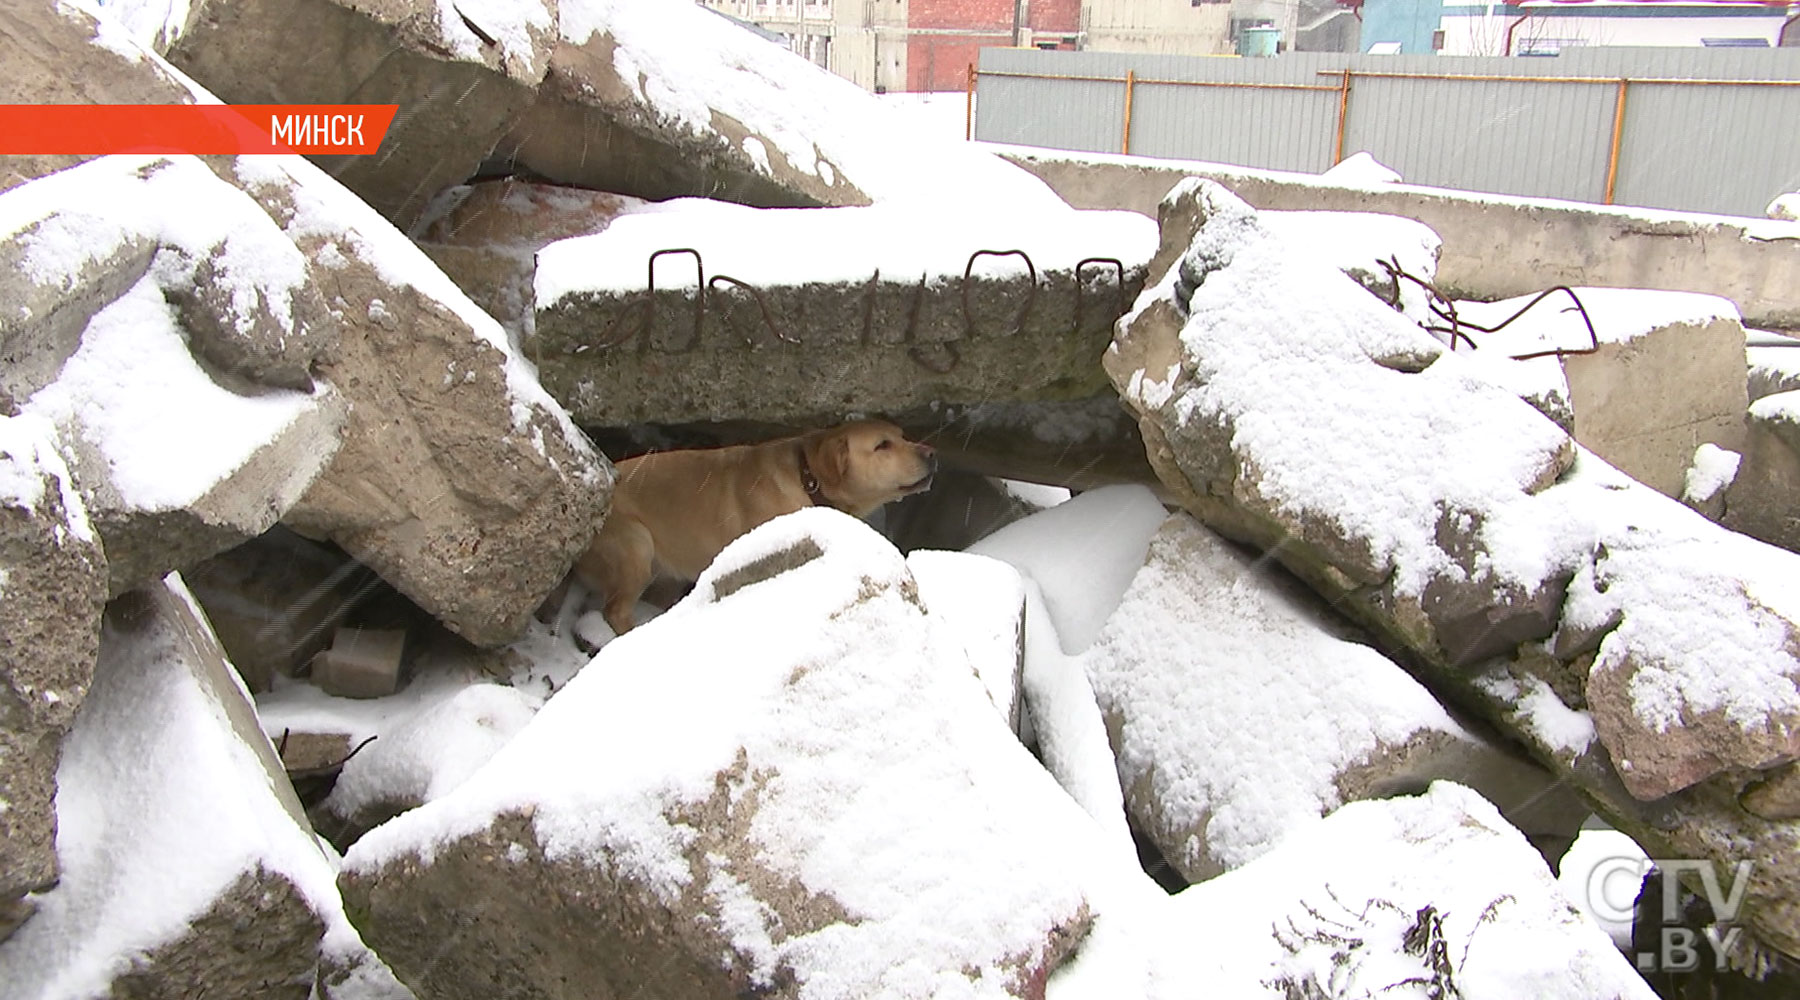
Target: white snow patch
{"x":1566,"y":731}
{"x":29,"y":458}
{"x":1361,"y":169}
{"x":1039,"y":495}
{"x":982,"y":602}
{"x":1714,"y":468}
{"x":1082,"y":554}
{"x":1601,"y":874}
{"x":1785,"y":207}
{"x":510,"y":23}
{"x":1619,"y":315}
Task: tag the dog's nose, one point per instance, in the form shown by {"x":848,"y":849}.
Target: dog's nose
{"x":926,"y":451}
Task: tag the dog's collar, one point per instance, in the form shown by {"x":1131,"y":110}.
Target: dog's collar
{"x":810,"y":482}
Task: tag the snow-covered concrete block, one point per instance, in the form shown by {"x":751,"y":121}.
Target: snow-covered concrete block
{"x":459,"y":480}
{"x":1239,"y":717}
{"x":881,"y":308}
{"x":1291,"y":412}
{"x":187,"y":406}
{"x":52,"y":586}
{"x":188,"y":867}
{"x":1763,"y":500}
{"x":1430,"y":895}
{"x":1360,"y":244}
{"x":981,"y":600}
{"x":1668,"y":375}
{"x":792,"y":783}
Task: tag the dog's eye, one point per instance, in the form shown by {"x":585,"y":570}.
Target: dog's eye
{"x":883,"y":445}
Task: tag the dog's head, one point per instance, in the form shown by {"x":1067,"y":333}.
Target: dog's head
{"x":862,"y":465}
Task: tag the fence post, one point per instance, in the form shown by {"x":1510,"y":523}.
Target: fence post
{"x":969,"y":107}
{"x":1130,"y":89}
{"x":1343,"y":117}
{"x":1618,"y":133}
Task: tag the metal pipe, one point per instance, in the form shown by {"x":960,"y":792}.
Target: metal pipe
{"x":1509,"y":33}
{"x":1343,"y":117}
{"x":1618,"y":134}
{"x":1671,"y":81}
{"x":1130,"y":89}
{"x":1148,"y":81}
{"x":969,"y":108}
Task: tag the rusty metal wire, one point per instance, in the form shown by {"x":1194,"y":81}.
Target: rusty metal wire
{"x":1081,"y":299}
{"x":1444,"y":309}
{"x":637,"y":319}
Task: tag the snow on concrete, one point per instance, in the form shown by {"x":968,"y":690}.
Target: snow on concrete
{"x":161,"y":805}
{"x":1236,"y":712}
{"x":152,"y":24}
{"x":73,"y":218}
{"x":943,"y":115}
{"x":1333,"y":906}
{"x":1361,"y":169}
{"x":1714,"y":468}
{"x":28,"y":459}
{"x":1082,"y":554}
{"x":982,"y":601}
{"x":1704,"y":612}
{"x":167,"y":433}
{"x":1358,"y":243}
{"x":892,"y":788}
{"x":1785,"y":207}
{"x":814,"y":118}
{"x":792,"y":246}
{"x":1534,"y":707}
{"x":1286,"y":351}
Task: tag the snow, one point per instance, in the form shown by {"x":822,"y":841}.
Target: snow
{"x":1082,"y":554}
{"x":1785,"y":206}
{"x":1506,"y":928}
{"x":1234,"y":710}
{"x":167,"y":433}
{"x":73,"y":218}
{"x":28,"y":459}
{"x":1782,"y":407}
{"x":1361,"y":169}
{"x":1533,"y":706}
{"x":1706,"y":615}
{"x":161,"y":805}
{"x":512,"y":24}
{"x":982,"y":601}
{"x":944,"y":115}
{"x":152,"y":24}
{"x":326,"y":210}
{"x":1714,"y":468}
{"x":820,"y":123}
{"x":791,"y":246}
{"x":1359,"y":242}
{"x":1036,"y":495}
{"x":889,"y":785}
{"x":1601,"y":875}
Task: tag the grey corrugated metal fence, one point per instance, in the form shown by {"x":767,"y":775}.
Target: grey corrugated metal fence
{"x":1702,"y":130}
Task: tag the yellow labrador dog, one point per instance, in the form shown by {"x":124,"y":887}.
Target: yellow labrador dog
{"x":673,"y":511}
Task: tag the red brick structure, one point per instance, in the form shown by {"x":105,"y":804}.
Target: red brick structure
{"x":946,"y":36}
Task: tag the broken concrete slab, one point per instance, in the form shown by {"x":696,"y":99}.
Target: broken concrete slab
{"x":53,"y":583}
{"x":708,"y":311}
{"x":1469,"y":532}
{"x":856,"y":808}
{"x":177,"y":830}
{"x":1763,"y":500}
{"x":458,"y":480}
{"x":1238,"y":717}
{"x":189,"y":432}
{"x":460,"y":79}
{"x":983,"y":601}
{"x":1660,"y":374}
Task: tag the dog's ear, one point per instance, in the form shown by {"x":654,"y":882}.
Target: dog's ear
{"x":829,"y":455}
